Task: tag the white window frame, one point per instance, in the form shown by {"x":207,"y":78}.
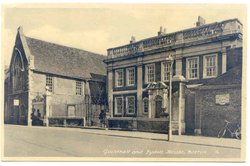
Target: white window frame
{"x":79,"y":88}
{"x":128,"y":76}
{"x":127,"y":112}
{"x":163,"y":70}
{"x":144,"y":99}
{"x":116,"y":78}
{"x":188,"y":69}
{"x":50,"y":84}
{"x":205,"y":65}
{"x":116,"y":110}
{"x":146,"y":72}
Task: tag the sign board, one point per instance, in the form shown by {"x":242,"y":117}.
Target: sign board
{"x":16,"y":102}
{"x":222,"y":99}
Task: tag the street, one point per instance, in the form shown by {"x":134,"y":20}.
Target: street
{"x":24,"y":141}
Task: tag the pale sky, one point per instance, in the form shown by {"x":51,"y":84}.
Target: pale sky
{"x":98,"y":27}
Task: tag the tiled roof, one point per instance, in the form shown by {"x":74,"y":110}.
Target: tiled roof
{"x":66,"y":61}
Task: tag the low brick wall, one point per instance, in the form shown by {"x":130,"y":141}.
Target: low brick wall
{"x":66,"y":122}
{"x":148,"y":125}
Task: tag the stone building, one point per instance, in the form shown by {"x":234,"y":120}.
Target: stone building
{"x":54,"y":83}
{"x":138,"y":74}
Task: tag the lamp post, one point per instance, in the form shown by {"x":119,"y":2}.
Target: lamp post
{"x":171,"y":59}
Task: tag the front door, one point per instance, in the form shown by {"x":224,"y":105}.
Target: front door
{"x":158,"y":106}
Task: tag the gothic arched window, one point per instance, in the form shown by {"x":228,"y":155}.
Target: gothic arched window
{"x":18,"y":71}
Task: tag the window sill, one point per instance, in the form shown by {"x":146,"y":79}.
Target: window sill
{"x":209,"y":77}
{"x":130,"y":113}
{"x":193,"y":78}
{"x":131,"y":85}
{"x":116,"y":114}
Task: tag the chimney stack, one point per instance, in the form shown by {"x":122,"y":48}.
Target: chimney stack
{"x":162,"y":31}
{"x":201,"y":21}
{"x":132,"y":40}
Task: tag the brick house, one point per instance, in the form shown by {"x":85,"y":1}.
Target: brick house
{"x":217,"y":100}
{"x":138,"y":74}
{"x":53,"y":81}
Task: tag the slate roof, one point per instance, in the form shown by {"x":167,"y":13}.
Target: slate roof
{"x":232,"y":76}
{"x":65,"y":61}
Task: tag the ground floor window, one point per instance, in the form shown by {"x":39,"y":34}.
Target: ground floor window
{"x":130,"y":104}
{"x":145,"y":105}
{"x":118,"y":105}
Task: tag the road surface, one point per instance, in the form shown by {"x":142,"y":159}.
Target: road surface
{"x":24,"y":141}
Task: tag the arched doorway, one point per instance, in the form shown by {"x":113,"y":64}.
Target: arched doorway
{"x":158,"y":106}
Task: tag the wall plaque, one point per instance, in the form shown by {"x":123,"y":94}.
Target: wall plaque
{"x":16,"y":102}
{"x":222,"y":99}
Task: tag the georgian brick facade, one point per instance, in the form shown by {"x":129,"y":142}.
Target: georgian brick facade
{"x":200,"y":54}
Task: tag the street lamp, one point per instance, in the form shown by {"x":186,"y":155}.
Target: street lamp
{"x":171,"y":59}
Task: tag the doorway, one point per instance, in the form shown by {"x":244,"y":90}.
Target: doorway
{"x":158,"y":106}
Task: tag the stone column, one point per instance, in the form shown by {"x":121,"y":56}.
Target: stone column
{"x":87,"y":89}
{"x":30,"y":96}
{"x":47,"y":105}
{"x":110,"y":90}
{"x":139,"y":87}
{"x":181,"y":108}
{"x":224,"y":60}
{"x":178,"y":67}
{"x":88,"y":102}
{"x":150,"y":104}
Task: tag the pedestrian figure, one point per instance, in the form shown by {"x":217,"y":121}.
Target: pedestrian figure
{"x":33,"y":117}
{"x":38,"y":113}
{"x":102,"y":117}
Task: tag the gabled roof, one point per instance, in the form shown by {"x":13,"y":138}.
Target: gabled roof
{"x":61,"y":60}
{"x":65,"y":61}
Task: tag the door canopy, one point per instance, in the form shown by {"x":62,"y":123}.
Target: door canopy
{"x":156,"y":85}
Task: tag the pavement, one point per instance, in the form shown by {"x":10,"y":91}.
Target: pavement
{"x":187,"y":139}
{"x":34,"y":141}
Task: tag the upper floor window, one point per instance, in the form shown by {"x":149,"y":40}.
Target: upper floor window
{"x":192,"y":71}
{"x":145,"y":105}
{"x":165,"y":68}
{"x":130,"y":104}
{"x":118,"y":105}
{"x":78,"y":88}
{"x":150,"y":73}
{"x":119,"y":78}
{"x":210,"y":66}
{"x":49,"y":82}
{"x":130,"y":76}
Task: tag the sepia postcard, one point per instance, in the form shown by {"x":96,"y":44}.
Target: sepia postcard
{"x":123,"y":82}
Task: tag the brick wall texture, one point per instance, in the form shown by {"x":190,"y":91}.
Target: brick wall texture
{"x":210,"y":116}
